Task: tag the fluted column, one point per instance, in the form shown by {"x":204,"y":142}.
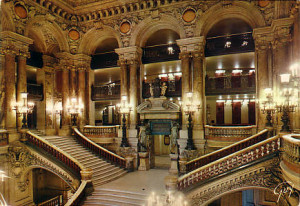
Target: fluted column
{"x":73,"y":81}
{"x":123,"y":78}
{"x":263,"y":38}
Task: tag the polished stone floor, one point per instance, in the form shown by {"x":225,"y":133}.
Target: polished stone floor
{"x":144,"y":182}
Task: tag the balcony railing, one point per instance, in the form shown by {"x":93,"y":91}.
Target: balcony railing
{"x":160,"y":53}
{"x":228,"y":85}
{"x":229,"y":133}
{"x":35,"y":91}
{"x":172,"y":91}
{"x":229,"y":162}
{"x":56,"y":201}
{"x":105,"y":92}
{"x":101,"y":131}
{"x":4,"y":137}
{"x":206,"y":159}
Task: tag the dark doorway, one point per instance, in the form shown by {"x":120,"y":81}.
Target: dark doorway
{"x":236,"y":112}
{"x":32,"y":118}
{"x":220,"y":113}
{"x":251,"y":113}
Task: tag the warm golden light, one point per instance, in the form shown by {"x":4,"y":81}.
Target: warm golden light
{"x":285,"y":78}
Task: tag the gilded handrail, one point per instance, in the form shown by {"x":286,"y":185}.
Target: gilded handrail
{"x":251,"y":153}
{"x":74,"y":200}
{"x":232,"y":146}
{"x":93,"y":146}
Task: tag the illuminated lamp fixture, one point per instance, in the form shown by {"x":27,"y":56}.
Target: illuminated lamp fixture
{"x":220,"y":71}
{"x":245,"y":43}
{"x":75,"y":107}
{"x":190,"y":110}
{"x":227,"y":44}
{"x":285,"y":78}
{"x":235,"y":71}
{"x":124,"y":109}
{"x":23,"y":108}
{"x":268,"y":106}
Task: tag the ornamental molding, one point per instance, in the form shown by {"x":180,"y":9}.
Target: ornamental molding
{"x":129,"y":54}
{"x":265,"y":175}
{"x":73,"y":61}
{"x":191,"y":44}
{"x":14,"y":43}
{"x":22,"y":159}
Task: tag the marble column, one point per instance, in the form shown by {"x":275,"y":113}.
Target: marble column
{"x":10,"y":89}
{"x":21,"y":81}
{"x":90,"y":105}
{"x":81,"y":95}
{"x":123,"y":78}
{"x":73,"y":82}
{"x":263,"y":38}
{"x":65,"y":98}
{"x":198,"y":59}
{"x":133,"y":93}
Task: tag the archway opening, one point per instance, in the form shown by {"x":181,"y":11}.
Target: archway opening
{"x":230,"y":85}
{"x":47,"y":186}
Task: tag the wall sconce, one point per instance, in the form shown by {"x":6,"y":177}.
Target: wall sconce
{"x":23,"y":108}
{"x":75,"y":107}
{"x":285,"y":78}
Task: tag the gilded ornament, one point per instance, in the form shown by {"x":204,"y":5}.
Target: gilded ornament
{"x":189,"y":15}
{"x":125,"y":27}
{"x":263,"y":3}
{"x":74,"y":34}
{"x":20,"y":11}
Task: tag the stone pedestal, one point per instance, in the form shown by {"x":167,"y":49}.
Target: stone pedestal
{"x":144,"y":161}
{"x":174,"y":166}
{"x":129,"y":164}
{"x":64,"y":131}
{"x":171,"y":182}
{"x":182,"y":164}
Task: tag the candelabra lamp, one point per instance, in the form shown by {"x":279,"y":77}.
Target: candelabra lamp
{"x":75,"y":107}
{"x":23,"y":108}
{"x":287,"y":104}
{"x":58,"y":110}
{"x":190,"y":109}
{"x":124,"y":110}
{"x":268,"y":107}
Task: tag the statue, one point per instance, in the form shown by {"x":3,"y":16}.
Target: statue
{"x":174,"y":137}
{"x":163,"y":89}
{"x":143,"y":139}
{"x":151,"y":89}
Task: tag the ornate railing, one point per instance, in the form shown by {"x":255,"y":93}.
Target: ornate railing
{"x":67,"y":160}
{"x":229,"y":133}
{"x":56,"y":201}
{"x":101,"y":131}
{"x":105,"y":92}
{"x":229,"y":162}
{"x":226,"y":85}
{"x":291,"y":147}
{"x":4,"y":137}
{"x":101,"y":151}
{"x":206,"y":159}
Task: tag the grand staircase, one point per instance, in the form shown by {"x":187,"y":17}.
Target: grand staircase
{"x":113,"y":197}
{"x":103,"y":171}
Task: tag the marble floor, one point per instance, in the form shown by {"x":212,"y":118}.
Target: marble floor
{"x":144,"y":182}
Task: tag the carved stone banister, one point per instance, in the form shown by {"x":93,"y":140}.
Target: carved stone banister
{"x":101,"y":131}
{"x":101,"y":151}
{"x":229,"y":162}
{"x":290,"y":163}
{"x":203,"y":160}
{"x":78,"y":195}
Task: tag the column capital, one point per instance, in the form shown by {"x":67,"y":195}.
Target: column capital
{"x":129,"y":55}
{"x":191,"y":44}
{"x":262,"y":38}
{"x":282,"y":31}
{"x":74,"y":61}
{"x":14,"y":43}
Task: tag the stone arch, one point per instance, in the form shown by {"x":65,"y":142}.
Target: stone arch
{"x":7,"y":22}
{"x":149,"y":26}
{"x":239,"y":10}
{"x":73,"y":183}
{"x":93,"y":38}
{"x":50,"y":34}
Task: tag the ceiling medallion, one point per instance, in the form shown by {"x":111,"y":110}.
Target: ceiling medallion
{"x":263,"y":3}
{"x":189,"y":15}
{"x":74,"y":34}
{"x":20,"y":11}
{"x":125,"y":27}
